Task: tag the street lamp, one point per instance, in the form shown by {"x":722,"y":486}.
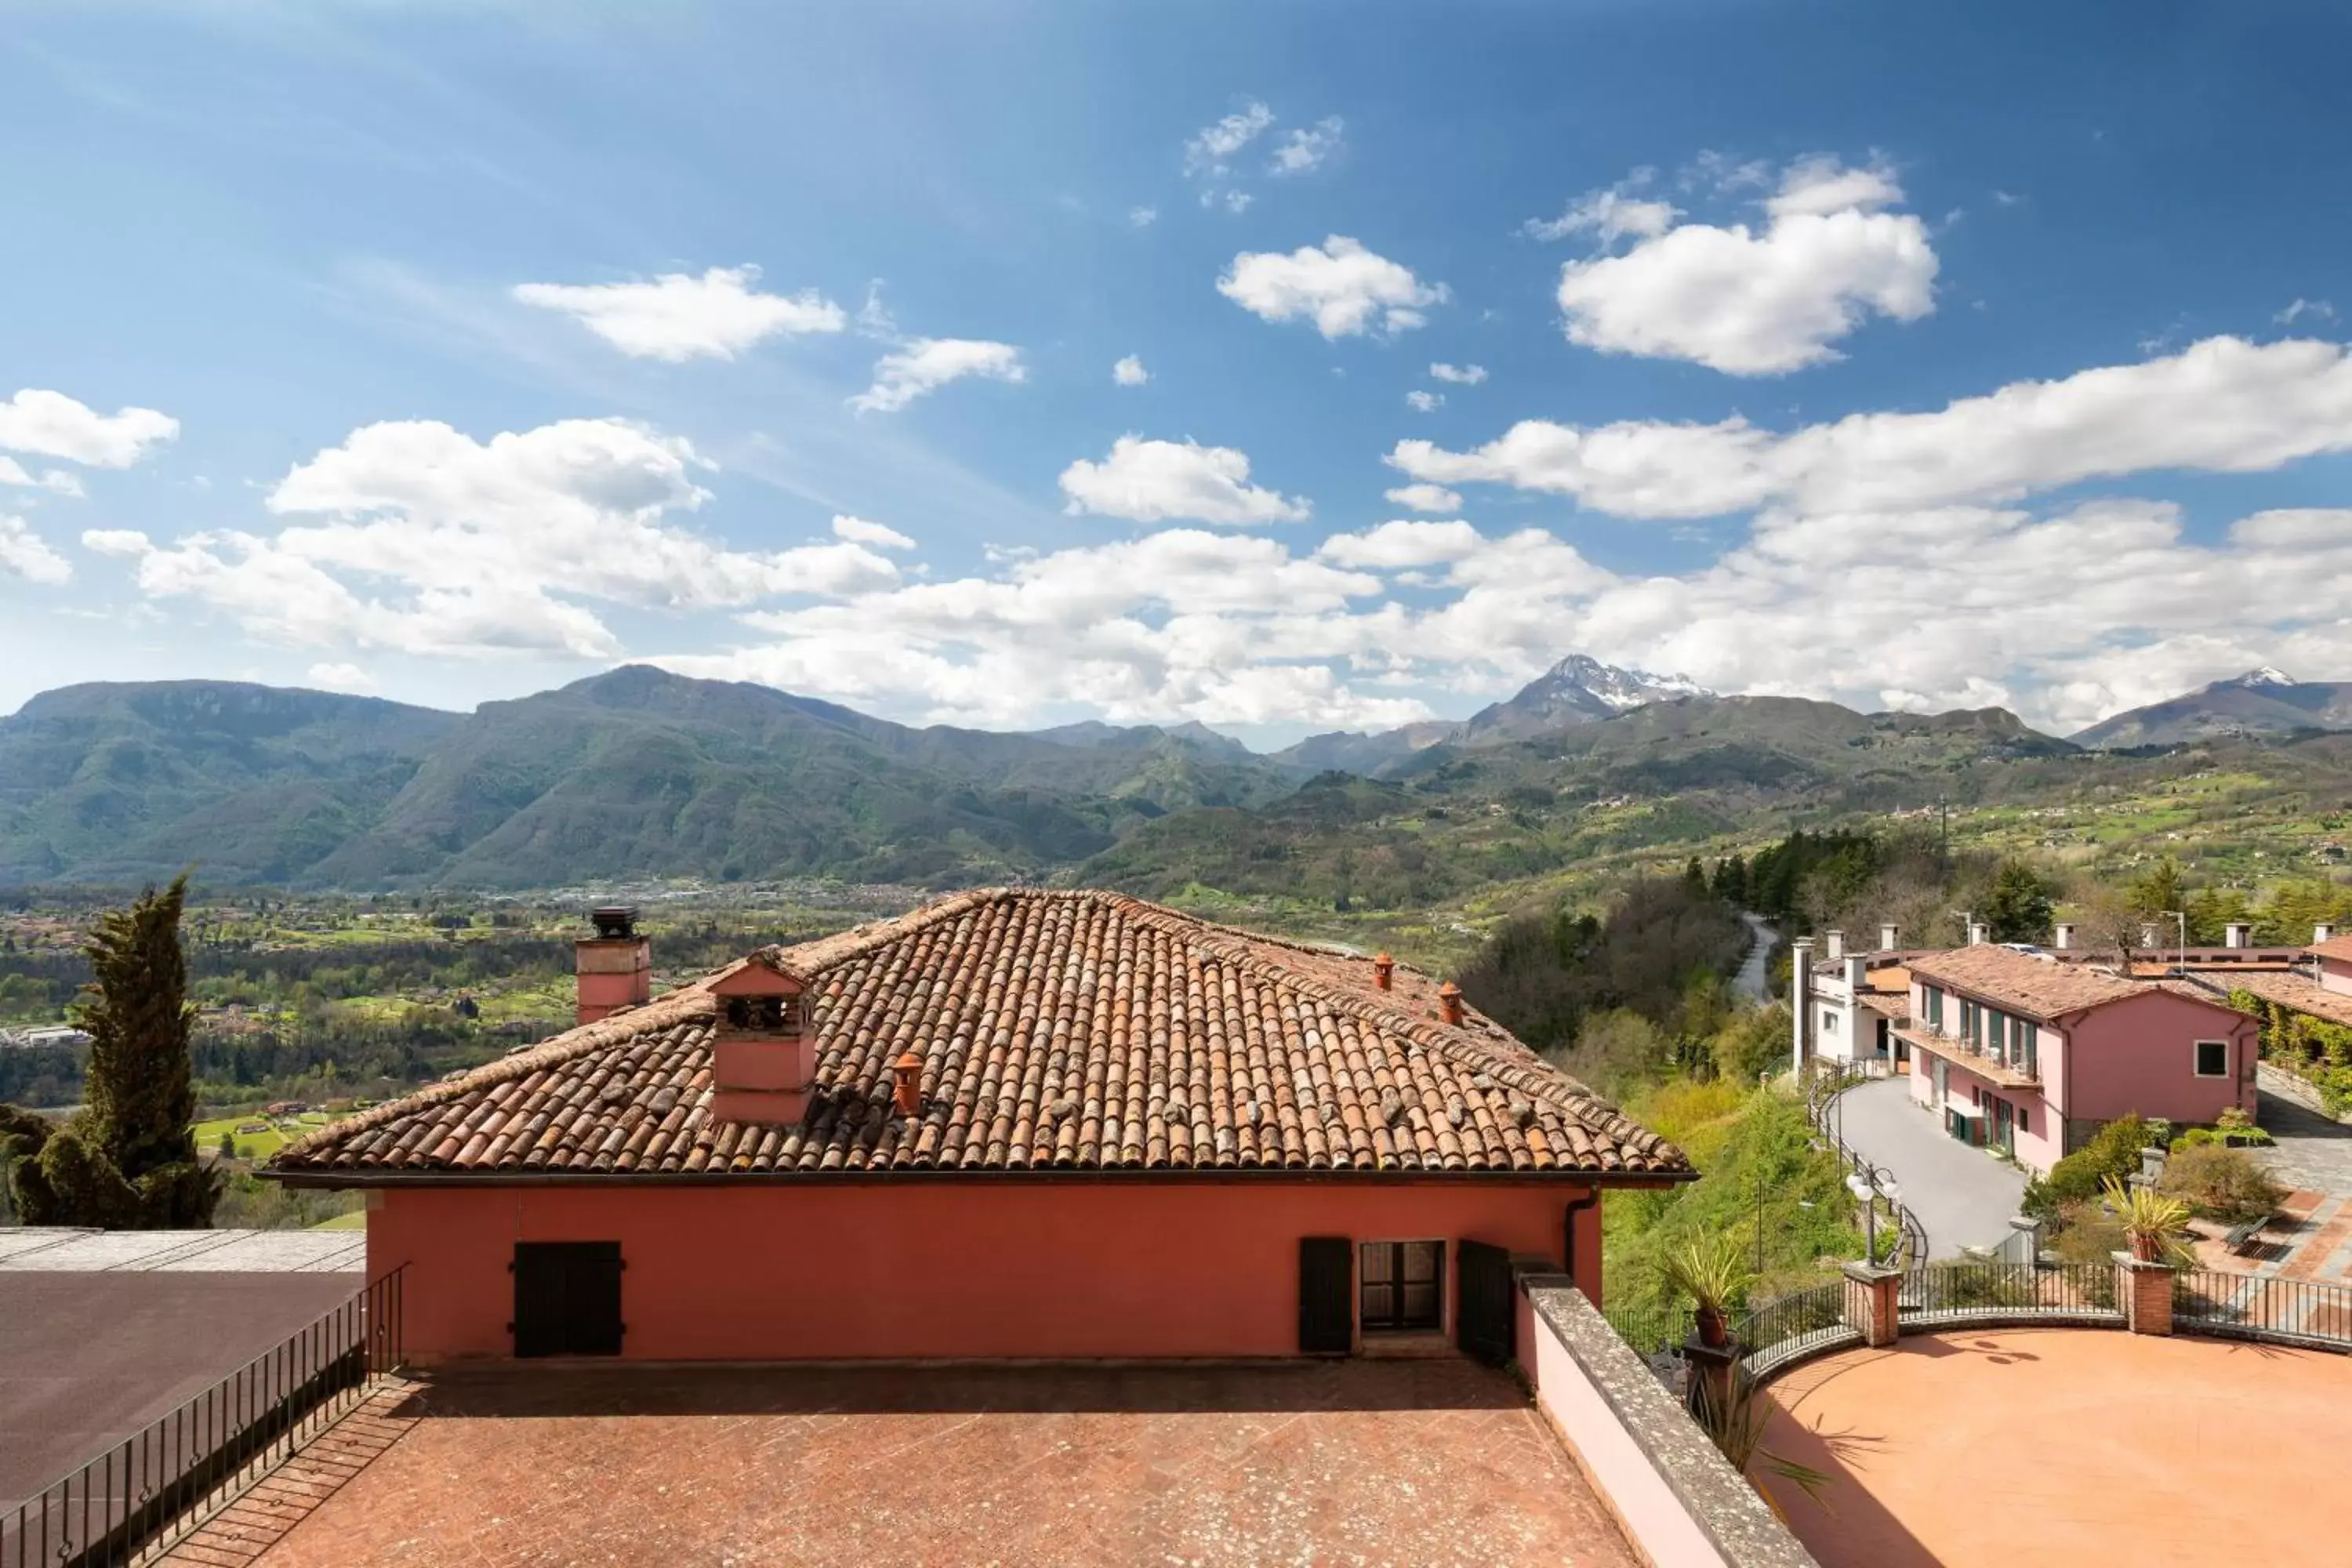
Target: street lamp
{"x":2181,"y":924}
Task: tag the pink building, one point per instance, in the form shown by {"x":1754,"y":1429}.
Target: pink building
{"x":2332,"y":957}
{"x":2016,"y":1051}
{"x":1013,"y":1123}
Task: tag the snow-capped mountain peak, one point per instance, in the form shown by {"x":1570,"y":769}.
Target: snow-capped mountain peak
{"x":2267,"y":675}
{"x":1619,"y":689}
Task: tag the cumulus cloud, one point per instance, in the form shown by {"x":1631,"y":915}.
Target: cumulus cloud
{"x":1425,"y":498}
{"x":926,"y":365}
{"x":55,"y":480}
{"x":1611,"y":214}
{"x":1129,"y":372}
{"x":1753,"y":301}
{"x":1209,"y":152}
{"x":2222,"y":405}
{"x":1402,"y":545}
{"x":859,"y":531}
{"x":1344,"y":289}
{"x":679,"y":317}
{"x":341,"y":678}
{"x":51,"y":425}
{"x":1459,"y":374}
{"x":1162,"y":481}
{"x":1306,"y":149}
{"x":1422,"y":402}
{"x":415,"y":537}
{"x":24,"y":553}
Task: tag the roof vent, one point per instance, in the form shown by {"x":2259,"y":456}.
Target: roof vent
{"x":1449,"y":1003}
{"x":1384,"y":971}
{"x":906,"y":1083}
{"x":613,"y":922}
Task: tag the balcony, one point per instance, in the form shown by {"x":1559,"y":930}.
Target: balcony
{"x":1964,"y":1053}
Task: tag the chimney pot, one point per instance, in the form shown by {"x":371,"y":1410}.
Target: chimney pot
{"x":615,"y":967}
{"x":906,"y":1083}
{"x":2063,"y":936}
{"x":1449,"y":1002}
{"x":1890,"y":937}
{"x":1384,"y":971}
{"x":1835,"y":952}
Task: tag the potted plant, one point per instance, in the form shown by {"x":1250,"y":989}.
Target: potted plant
{"x":2155,"y":1227}
{"x":1712,"y":1271}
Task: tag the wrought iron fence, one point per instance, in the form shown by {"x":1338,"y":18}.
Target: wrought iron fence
{"x":1830,"y":1079}
{"x":116,"y":1506}
{"x":1973,"y":1288}
{"x":1652,"y":1329}
{"x":1766,"y":1326}
{"x":2211,"y":1301}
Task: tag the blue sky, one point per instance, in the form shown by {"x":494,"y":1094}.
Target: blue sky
{"x":449,"y":351}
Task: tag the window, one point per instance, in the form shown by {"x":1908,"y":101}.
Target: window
{"x":2023,"y":1125}
{"x":1402,"y":1285}
{"x":567,"y":1298}
{"x":2213,"y":1058}
{"x":1829,"y":1021}
{"x":1931,"y":1004}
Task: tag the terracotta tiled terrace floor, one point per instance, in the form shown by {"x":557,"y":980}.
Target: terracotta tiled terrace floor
{"x":1362,"y":1462}
{"x":2070,"y":1446}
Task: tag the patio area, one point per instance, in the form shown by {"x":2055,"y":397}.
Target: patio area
{"x":1358,"y":1462}
{"x":2068,"y":1446}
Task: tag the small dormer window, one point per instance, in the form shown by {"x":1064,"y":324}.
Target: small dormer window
{"x":764,"y":1014}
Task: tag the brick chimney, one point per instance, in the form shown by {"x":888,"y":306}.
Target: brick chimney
{"x":762,"y":1051}
{"x":1384,"y":971}
{"x":615,"y":966}
{"x":1449,"y":1003}
{"x":2063,"y":936}
{"x":2237,"y":933}
{"x":1833,"y":946}
{"x":906,"y":1084}
{"x":1890,"y":937}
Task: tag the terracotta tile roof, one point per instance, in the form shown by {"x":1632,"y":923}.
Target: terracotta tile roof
{"x":1060,"y":1030}
{"x":2297,"y":991}
{"x":2040,"y":988}
{"x":2335,"y":947}
{"x":1895,"y":1005}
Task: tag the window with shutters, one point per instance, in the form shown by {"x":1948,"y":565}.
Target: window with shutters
{"x":567,"y":1298}
{"x":1403,"y":1288}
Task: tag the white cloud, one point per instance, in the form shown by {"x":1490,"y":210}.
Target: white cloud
{"x":1208,"y":153}
{"x":419,"y":538}
{"x":123,"y":541}
{"x":1763,"y":302}
{"x":1163,"y":481}
{"x":52,"y":424}
{"x":56,"y":481}
{"x":1342,"y":288}
{"x":679,"y":317}
{"x":926,"y":365}
{"x":1425,"y":498}
{"x":341,"y":678}
{"x":1459,"y":374}
{"x":24,"y":553}
{"x":1402,"y":545}
{"x":1303,"y":150}
{"x":1142,"y":218}
{"x":1129,"y":372}
{"x":2317,"y":309}
{"x":859,"y":530}
{"x":1611,"y":214}
{"x":1422,"y":402}
{"x":2222,"y":405}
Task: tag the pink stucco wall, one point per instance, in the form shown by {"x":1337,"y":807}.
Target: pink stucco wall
{"x":2139,"y":1054}
{"x":2335,"y":975}
{"x":788,"y":1271}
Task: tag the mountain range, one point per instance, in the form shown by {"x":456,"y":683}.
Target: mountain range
{"x":640,"y":774}
{"x":2262,"y":702}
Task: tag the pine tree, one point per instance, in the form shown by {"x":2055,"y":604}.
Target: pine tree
{"x":128,"y":1160}
{"x":2019,"y":908}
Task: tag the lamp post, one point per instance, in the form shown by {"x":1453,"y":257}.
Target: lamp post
{"x":1868,"y":1184}
{"x":2181,"y":924}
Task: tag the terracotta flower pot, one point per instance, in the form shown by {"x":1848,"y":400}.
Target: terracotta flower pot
{"x":2147,"y":1248}
{"x":1711,"y":1331}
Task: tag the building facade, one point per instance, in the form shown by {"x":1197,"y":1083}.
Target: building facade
{"x":1014,"y":1123}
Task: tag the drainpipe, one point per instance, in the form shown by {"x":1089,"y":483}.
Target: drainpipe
{"x":1568,"y":1236}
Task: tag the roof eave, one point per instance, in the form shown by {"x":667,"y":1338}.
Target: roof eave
{"x":1208,"y":1175}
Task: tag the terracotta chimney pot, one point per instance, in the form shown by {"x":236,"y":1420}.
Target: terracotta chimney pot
{"x":1384,"y":971}
{"x":906,"y":1087}
{"x":1449,"y":1002}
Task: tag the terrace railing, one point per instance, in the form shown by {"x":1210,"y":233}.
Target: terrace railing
{"x":1975,"y":1290}
{"x":118,"y":1507}
{"x":1830,"y":1079}
{"x":2214,"y":1301}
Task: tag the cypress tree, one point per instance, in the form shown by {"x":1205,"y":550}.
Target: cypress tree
{"x":128,"y":1160}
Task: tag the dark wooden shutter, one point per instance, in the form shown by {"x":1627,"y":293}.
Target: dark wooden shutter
{"x":567,"y":1298}
{"x":1327,"y":1308}
{"x":1486,"y":1317}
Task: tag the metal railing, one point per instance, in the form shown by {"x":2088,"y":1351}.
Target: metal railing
{"x":118,"y":1506}
{"x":1652,"y":1329}
{"x":1830,"y":1080}
{"x":2211,"y":1301}
{"x":1976,"y":1289}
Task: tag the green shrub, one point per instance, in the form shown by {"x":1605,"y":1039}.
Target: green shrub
{"x":2221,"y":1184}
{"x":2111,"y":1155}
{"x":2086,"y":1233}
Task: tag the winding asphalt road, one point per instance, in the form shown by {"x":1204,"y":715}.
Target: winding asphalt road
{"x":1750,"y":981}
{"x":1962,"y":1197}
